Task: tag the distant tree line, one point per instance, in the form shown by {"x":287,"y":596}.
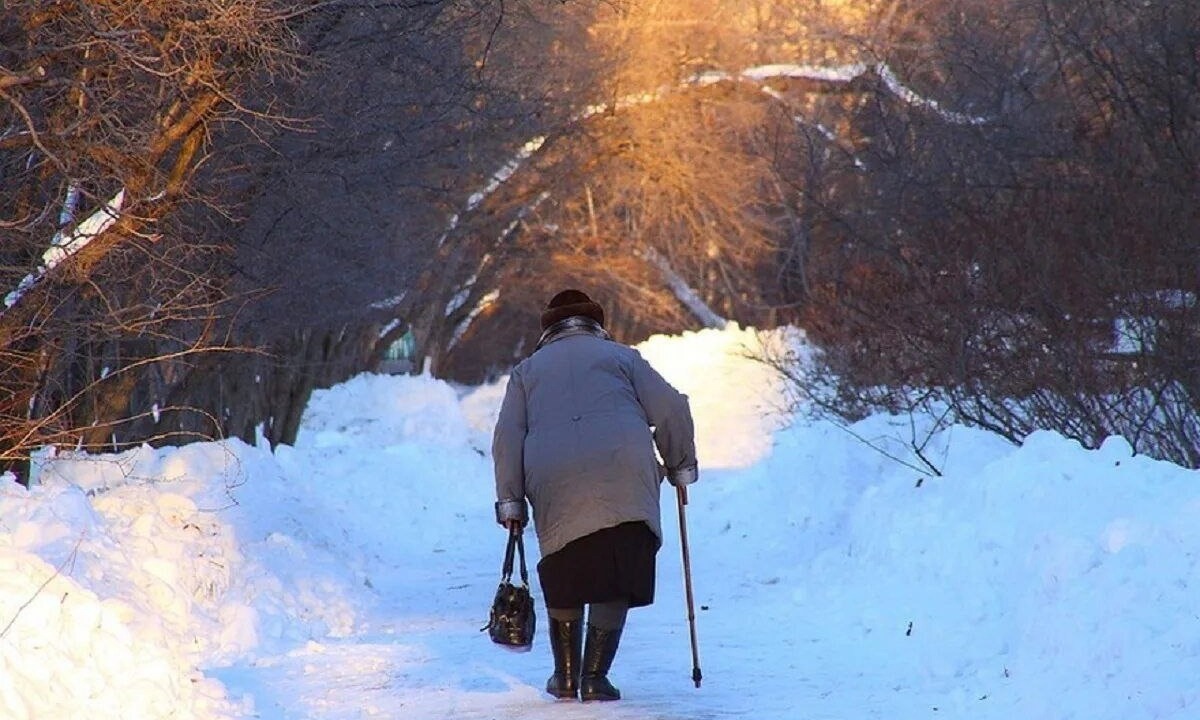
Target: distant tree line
{"x":985,"y":209}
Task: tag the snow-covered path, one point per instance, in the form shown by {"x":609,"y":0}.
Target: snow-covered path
{"x":421,"y":653}
{"x":433,"y":566}
{"x":431,"y":554}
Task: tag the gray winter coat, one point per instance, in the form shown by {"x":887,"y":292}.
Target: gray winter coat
{"x":576,"y":436}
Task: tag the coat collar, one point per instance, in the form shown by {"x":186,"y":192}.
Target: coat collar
{"x":574,"y":325}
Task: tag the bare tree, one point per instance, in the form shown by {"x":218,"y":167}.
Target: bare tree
{"x":106,"y":112}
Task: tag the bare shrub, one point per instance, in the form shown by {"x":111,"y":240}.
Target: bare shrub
{"x":1039,"y":269}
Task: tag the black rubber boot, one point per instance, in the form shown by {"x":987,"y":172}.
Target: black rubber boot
{"x":597,"y":659}
{"x":566,"y":642}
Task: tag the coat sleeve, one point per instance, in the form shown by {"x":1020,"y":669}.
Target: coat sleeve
{"x":669,"y":414}
{"x":508,"y":443}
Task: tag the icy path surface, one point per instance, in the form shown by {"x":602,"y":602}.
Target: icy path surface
{"x":417,"y":651}
{"x":396,"y":475}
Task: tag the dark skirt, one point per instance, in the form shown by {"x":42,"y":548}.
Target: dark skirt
{"x":609,"y":564}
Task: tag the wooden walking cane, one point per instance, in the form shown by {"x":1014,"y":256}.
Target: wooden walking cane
{"x":681,"y":496}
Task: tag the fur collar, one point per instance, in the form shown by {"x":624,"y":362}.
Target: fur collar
{"x":574,"y":325}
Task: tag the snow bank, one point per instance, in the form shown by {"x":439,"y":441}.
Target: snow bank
{"x":124,"y":575}
{"x":1041,"y":581}
{"x":110,"y":599}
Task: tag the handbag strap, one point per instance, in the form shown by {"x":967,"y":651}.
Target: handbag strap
{"x":516,"y":540}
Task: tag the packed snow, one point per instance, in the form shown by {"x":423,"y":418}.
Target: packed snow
{"x":348,"y":576}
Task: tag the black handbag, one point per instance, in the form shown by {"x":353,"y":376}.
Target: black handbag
{"x":512,"y":621}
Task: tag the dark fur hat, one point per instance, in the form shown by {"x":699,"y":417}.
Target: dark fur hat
{"x":568,"y":303}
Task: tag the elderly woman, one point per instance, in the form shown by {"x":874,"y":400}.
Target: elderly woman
{"x":576,"y":436}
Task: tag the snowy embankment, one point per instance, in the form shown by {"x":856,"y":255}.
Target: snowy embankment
{"x":346,"y":577}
